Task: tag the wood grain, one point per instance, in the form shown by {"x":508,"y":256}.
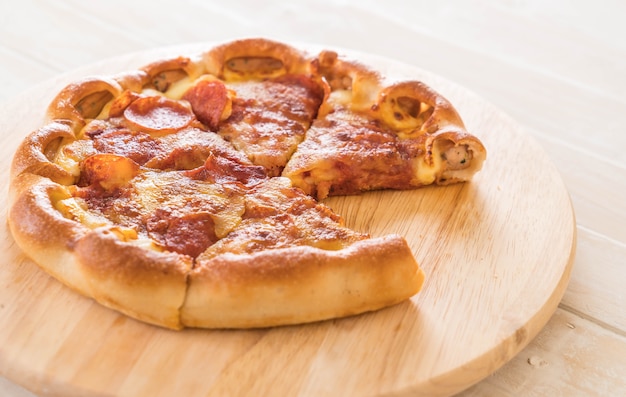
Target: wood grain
{"x":497,"y":252}
{"x":568,"y":341}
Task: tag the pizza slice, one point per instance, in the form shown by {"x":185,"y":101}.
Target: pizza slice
{"x":272,"y":98}
{"x":369,"y":137}
{"x":291,"y":260}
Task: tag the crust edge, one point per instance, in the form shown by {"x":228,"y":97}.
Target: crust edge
{"x":242,"y":291}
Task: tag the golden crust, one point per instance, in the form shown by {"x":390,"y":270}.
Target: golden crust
{"x":42,"y":232}
{"x":160,"y":75}
{"x":142,"y":283}
{"x":441,"y":126}
{"x":80,"y":100}
{"x":33,"y":154}
{"x":300,"y":284}
{"x":348,"y":75}
{"x":441,"y":115}
{"x":275,"y":59}
{"x":188,"y":65}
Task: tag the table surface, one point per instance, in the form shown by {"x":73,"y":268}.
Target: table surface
{"x":557,"y":67}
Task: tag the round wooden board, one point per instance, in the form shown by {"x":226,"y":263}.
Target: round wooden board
{"x":497,"y":253}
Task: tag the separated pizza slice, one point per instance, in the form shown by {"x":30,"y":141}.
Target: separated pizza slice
{"x":272,"y":97}
{"x":292,"y":260}
{"x":370,"y":137}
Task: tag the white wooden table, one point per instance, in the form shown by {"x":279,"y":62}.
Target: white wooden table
{"x":557,"y":67}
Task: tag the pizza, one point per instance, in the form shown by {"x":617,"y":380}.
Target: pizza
{"x":189,"y":192}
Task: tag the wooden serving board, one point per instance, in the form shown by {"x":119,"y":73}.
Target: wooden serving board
{"x":497,"y":253}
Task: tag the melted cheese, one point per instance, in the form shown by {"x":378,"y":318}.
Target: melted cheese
{"x":76,"y":209}
{"x":145,"y":243}
{"x":70,"y":156}
{"x":427,"y":173}
{"x":178,"y":88}
{"x":153,"y":192}
{"x":69,"y":164}
{"x":130,"y":236}
{"x":104,"y":113}
{"x":348,"y":100}
{"x":342,"y":98}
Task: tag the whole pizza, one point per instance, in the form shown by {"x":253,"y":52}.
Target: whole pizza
{"x":188,"y":193}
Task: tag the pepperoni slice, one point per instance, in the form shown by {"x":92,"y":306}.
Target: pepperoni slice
{"x":209,"y":100}
{"x":109,"y":171}
{"x":189,"y":234}
{"x":122,"y":102}
{"x":158,"y":114}
{"x":224,"y":170}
